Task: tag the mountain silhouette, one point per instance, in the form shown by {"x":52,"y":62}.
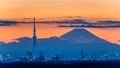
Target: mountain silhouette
{"x":82,"y":36}
{"x":69,"y":44}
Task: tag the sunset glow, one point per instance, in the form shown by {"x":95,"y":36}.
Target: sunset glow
{"x":57,"y":8}
{"x":9,"y":33}
{"x":90,"y":10}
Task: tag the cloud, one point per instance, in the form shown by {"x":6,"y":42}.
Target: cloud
{"x":77,"y":22}
{"x":109,"y":23}
{"x":30,"y":20}
{"x":7,"y":23}
{"x":99,"y":24}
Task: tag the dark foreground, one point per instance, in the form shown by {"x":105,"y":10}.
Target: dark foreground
{"x":77,"y":64}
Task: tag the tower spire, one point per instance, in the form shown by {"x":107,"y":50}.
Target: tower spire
{"x":34,"y":34}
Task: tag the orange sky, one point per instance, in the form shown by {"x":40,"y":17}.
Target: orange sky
{"x":88,"y":9}
{"x":57,"y":8}
{"x":8,"y":33}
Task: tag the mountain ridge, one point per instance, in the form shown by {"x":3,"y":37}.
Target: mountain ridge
{"x":82,"y":36}
{"x":56,"y":45}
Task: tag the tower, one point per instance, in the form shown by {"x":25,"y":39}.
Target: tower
{"x":34,"y":34}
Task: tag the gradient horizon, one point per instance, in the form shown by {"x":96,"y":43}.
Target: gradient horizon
{"x":108,"y":9}
{"x":10,"y":33}
{"x":91,"y":10}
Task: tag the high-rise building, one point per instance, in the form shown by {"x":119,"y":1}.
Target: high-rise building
{"x":29,"y":56}
{"x":41,"y":58}
{"x":82,"y":54}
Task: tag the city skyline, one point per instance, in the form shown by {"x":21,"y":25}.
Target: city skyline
{"x":59,"y":33}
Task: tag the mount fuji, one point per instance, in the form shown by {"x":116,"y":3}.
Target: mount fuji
{"x":83,"y":36}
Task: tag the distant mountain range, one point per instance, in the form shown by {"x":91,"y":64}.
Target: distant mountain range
{"x":69,"y":44}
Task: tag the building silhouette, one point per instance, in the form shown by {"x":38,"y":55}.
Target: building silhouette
{"x":82,"y":54}
{"x":56,"y":58}
{"x":29,"y":56}
{"x":41,"y":57}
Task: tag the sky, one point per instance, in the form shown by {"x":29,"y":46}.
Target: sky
{"x":10,"y":33}
{"x":88,"y":9}
{"x":107,"y":9}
